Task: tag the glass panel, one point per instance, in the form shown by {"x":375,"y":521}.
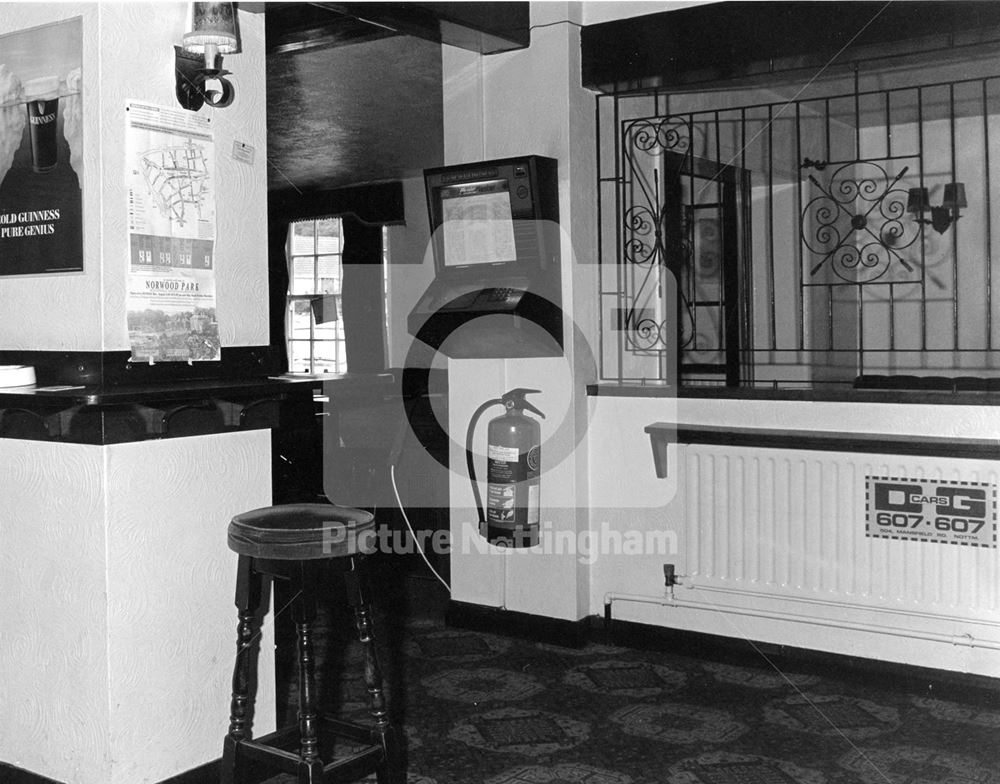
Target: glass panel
{"x":301,"y":320}
{"x":328,"y":354}
{"x":303,"y":237}
{"x":328,"y":331}
{"x":328,"y":227}
{"x":328,"y":272}
{"x":298,"y":356}
{"x":303,"y":276}
{"x":328,"y":245}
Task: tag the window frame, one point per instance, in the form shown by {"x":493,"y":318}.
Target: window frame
{"x":339,"y":341}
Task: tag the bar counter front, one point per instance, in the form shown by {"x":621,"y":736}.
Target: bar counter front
{"x":117,"y":629}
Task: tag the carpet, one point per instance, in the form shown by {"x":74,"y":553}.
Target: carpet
{"x":476,"y":707}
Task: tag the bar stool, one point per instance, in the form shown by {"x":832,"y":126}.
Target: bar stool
{"x":297,"y":542}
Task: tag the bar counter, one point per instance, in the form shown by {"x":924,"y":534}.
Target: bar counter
{"x":118,"y":630}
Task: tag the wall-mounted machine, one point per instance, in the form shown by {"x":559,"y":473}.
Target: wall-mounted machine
{"x":495,"y":236}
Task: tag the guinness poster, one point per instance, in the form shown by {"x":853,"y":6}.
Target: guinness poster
{"x":41,"y":150}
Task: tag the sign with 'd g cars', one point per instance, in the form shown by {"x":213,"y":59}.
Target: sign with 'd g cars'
{"x":922,"y":510}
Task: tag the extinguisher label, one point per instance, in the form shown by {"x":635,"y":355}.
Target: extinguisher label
{"x":500,"y":499}
{"x":512,"y":489}
{"x":506,"y":454}
{"x":534,"y":510}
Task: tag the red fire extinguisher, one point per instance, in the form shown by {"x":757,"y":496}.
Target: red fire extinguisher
{"x":513,"y":466}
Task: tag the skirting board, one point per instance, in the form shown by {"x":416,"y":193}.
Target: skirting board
{"x":942,"y":684}
{"x":203,"y":774}
{"x":538,"y":628}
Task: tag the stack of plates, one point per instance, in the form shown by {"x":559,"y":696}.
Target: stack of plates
{"x":17,"y":376}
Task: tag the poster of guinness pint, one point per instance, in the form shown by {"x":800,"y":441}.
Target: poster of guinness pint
{"x":170,"y":159}
{"x":41,"y":150}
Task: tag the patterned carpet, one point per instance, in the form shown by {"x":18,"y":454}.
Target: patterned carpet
{"x":480,"y":707}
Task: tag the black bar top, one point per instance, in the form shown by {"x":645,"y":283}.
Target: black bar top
{"x":122,"y":413}
{"x":62,"y":394}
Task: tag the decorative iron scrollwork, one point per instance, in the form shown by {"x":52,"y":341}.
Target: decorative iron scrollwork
{"x":641,"y":235}
{"x":855,"y":226}
{"x":656,"y":134}
{"x":649,"y":146}
{"x":646,"y":334}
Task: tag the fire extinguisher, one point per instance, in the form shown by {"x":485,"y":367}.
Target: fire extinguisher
{"x":514,"y":456}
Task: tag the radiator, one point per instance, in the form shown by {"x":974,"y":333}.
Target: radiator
{"x":786,"y":530}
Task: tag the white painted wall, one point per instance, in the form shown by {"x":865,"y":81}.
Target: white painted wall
{"x":647,"y":503}
{"x":171,"y":581}
{"x":128,"y":55}
{"x":117,"y":631}
{"x":53,"y":619}
{"x":597,"y":11}
{"x":410,"y":269}
{"x":529,"y":102}
{"x":520,"y":103}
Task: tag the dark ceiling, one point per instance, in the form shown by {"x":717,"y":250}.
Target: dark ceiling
{"x":355,"y":114}
{"x":732,"y":43}
{"x":354,"y":90}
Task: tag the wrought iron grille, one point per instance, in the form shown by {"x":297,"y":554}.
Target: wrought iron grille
{"x":825,"y":239}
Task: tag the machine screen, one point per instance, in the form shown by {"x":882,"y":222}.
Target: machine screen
{"x":477,"y":224}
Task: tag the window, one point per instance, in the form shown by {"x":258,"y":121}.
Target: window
{"x":803,"y":235}
{"x":314,"y":319}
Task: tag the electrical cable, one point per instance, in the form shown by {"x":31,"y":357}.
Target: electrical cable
{"x":409,"y":527}
{"x":558,"y":22}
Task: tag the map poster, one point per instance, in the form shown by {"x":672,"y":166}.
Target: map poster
{"x":170,"y":160}
{"x":41,"y":150}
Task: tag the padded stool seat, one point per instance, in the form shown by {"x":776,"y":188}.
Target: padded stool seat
{"x":300,"y":543}
{"x":303,"y":532}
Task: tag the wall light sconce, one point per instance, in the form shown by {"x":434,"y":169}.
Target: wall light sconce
{"x":942,"y":217}
{"x":201,"y":78}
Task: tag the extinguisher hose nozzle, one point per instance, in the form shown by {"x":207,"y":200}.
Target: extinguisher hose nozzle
{"x":469,"y":458}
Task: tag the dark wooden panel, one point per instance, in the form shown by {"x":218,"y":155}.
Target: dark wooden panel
{"x":483,"y":27}
{"x":114,"y":368}
{"x":729,"y":42}
{"x":346,"y":115}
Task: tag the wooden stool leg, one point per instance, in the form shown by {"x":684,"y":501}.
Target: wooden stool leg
{"x":382,"y":731}
{"x":310,"y":765}
{"x":248,"y":597}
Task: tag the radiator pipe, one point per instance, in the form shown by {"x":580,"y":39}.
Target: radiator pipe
{"x":669,"y":599}
{"x":838,"y":604}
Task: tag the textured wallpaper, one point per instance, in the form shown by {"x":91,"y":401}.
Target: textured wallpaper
{"x":171,"y":581}
{"x":53,"y":620}
{"x":128,"y":55}
{"x":117,"y":628}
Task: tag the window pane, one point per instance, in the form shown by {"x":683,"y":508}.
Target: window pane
{"x":330,"y":331}
{"x":328,"y":227}
{"x":327,"y":353}
{"x":304,"y":228}
{"x":298,"y":356}
{"x":301,"y":320}
{"x":328,"y":245}
{"x":303,"y":237}
{"x":303,"y":276}
{"x":328,"y":272}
